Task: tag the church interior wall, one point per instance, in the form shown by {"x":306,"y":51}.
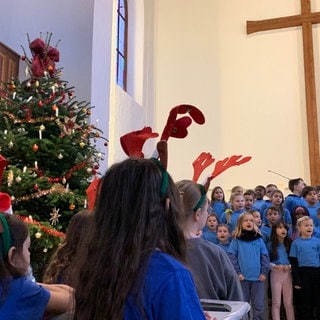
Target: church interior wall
{"x":250,"y":87}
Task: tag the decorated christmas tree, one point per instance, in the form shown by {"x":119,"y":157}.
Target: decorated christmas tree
{"x":49,"y":147}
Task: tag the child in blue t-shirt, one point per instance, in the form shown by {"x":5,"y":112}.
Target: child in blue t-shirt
{"x":218,"y":202}
{"x":250,"y":258}
{"x":280,"y":275}
{"x":20,"y":297}
{"x":305,"y":262}
{"x":231,"y":216}
{"x":211,"y":233}
{"x":223,"y":236}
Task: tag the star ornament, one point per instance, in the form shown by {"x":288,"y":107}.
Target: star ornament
{"x":70,"y":125}
{"x":55,"y":216}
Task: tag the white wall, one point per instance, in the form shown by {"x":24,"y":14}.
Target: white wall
{"x":250,"y":87}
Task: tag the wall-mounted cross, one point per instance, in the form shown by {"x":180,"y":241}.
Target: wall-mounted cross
{"x":305,"y":20}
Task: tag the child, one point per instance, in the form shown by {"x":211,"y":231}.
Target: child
{"x":250,"y":259}
{"x":310,"y":194}
{"x":64,"y":260}
{"x":218,"y":202}
{"x":260,"y":192}
{"x":20,"y":297}
{"x":257,"y":218}
{"x":267,"y":202}
{"x":223,"y":235}
{"x":280,"y":275}
{"x":230,"y":216}
{"x":249,"y":199}
{"x":305,"y":261}
{"x":133,"y":263}
{"x":295,"y":199}
{"x":297,"y":212}
{"x":211,"y":268}
{"x":276,"y":199}
{"x":211,"y":233}
{"x":272,"y":216}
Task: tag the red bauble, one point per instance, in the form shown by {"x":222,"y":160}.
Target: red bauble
{"x":40,"y":103}
{"x":35,"y":147}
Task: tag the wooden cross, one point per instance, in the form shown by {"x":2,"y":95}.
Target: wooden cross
{"x":305,"y":19}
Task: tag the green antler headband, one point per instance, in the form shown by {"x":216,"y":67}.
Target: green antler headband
{"x":202,"y":198}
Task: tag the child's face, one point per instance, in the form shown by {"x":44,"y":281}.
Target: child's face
{"x":277,"y":199}
{"x":260,"y":193}
{"x":248,"y":222}
{"x":223,"y":234}
{"x":281,"y":232}
{"x":218,"y":194}
{"x":306,"y":228}
{"x":273,"y":216}
{"x":257,"y":218}
{"x":238,"y":190}
{"x":238,"y":202}
{"x":212,"y":223}
{"x":248,"y":201}
{"x":311,"y":197}
{"x":269,"y":190}
{"x":299,"y":187}
{"x":299,"y":212}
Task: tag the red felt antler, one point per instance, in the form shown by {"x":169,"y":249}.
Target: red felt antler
{"x":203,"y":161}
{"x":132,"y":142}
{"x":228,"y":162}
{"x":177,"y":128}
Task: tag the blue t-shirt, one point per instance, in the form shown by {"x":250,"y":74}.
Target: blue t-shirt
{"x":224,"y":246}
{"x":250,"y":258}
{"x":168,"y":292}
{"x":219,"y":207}
{"x":26,"y":300}
{"x":282,"y":254}
{"x":234,"y":216}
{"x":210,"y":236}
{"x":307,"y":251}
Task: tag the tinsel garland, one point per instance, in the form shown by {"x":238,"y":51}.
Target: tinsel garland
{"x":43,"y":228}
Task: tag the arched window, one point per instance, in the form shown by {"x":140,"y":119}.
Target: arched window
{"x":122,"y":43}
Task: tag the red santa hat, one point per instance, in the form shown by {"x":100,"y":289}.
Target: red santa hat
{"x":5,"y":203}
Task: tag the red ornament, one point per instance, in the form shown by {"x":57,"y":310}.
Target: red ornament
{"x":35,"y":147}
{"x":40,"y":103}
{"x":36,"y":187}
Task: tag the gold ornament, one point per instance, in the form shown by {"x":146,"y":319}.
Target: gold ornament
{"x":72,"y":206}
{"x":82,"y":144}
{"x":55,"y":216}
{"x":38,"y":235}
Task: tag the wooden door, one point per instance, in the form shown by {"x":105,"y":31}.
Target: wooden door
{"x":9,"y":64}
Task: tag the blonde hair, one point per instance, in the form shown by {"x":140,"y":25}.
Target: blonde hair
{"x":238,"y":229}
{"x":303,"y":219}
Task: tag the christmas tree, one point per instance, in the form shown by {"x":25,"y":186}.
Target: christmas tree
{"x":50,"y":149}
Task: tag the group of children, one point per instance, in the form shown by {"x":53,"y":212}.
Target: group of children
{"x":274,"y":245}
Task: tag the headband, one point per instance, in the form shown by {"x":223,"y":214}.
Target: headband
{"x":5,"y":235}
{"x":165,"y":177}
{"x":202,"y":198}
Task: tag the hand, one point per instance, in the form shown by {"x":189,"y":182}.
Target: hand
{"x":208,"y":317}
{"x":262,"y":277}
{"x":241,"y":277}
